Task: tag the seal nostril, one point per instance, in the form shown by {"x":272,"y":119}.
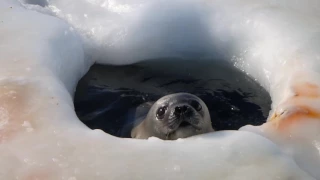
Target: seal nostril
{"x":177,"y":110}
{"x":180,"y":109}
{"x":184,"y":108}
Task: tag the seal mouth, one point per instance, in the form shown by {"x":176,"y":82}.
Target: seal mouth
{"x":184,"y":124}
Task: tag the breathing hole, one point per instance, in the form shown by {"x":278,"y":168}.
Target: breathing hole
{"x":107,"y":96}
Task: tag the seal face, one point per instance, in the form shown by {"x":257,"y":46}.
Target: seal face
{"x":174,"y":116}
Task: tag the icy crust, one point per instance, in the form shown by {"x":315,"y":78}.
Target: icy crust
{"x":42,"y":58}
{"x":62,"y":154}
{"x":34,"y":52}
{"x":124,"y":32}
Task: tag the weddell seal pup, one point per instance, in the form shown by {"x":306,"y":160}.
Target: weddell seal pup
{"x":171,"y":117}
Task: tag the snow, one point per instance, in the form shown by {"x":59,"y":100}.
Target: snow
{"x":46,"y":46}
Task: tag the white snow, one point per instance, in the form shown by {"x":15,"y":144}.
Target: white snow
{"x":46,"y":46}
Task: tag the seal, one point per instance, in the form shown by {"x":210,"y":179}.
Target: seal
{"x":171,"y":117}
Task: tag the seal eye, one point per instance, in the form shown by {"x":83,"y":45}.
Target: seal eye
{"x":160,"y":112}
{"x":196,"y":105}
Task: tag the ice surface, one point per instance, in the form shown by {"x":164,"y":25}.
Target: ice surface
{"x":46,"y":46}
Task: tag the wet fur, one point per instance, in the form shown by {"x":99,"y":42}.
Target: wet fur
{"x":147,"y":126}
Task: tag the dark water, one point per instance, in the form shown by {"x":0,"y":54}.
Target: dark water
{"x":107,"y":94}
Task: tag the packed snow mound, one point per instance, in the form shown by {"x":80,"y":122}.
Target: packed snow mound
{"x":47,"y":46}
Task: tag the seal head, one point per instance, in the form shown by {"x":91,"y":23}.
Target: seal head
{"x":174,"y":116}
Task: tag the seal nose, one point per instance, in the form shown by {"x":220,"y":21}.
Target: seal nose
{"x":180,"y":109}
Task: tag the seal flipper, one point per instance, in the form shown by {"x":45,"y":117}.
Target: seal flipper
{"x":134,"y":118}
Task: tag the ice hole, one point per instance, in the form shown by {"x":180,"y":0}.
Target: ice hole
{"x":107,"y":95}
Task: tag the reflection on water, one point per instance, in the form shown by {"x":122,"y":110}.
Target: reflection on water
{"x":107,"y":95}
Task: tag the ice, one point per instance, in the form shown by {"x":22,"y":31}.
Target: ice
{"x":46,"y":46}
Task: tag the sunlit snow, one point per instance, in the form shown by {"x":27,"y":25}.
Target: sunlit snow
{"x":47,"y":46}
